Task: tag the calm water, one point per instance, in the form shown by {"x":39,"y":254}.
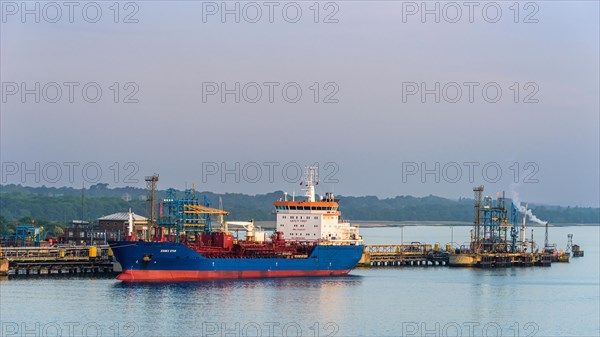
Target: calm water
{"x":413,"y":301}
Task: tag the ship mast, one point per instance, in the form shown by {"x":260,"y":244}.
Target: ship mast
{"x":130,"y":225}
{"x":309,"y":181}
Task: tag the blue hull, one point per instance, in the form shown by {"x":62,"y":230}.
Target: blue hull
{"x":168,"y":261}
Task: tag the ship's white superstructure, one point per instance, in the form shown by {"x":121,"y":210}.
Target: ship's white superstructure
{"x":312,"y":220}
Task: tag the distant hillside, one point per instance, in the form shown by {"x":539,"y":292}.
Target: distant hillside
{"x":64,"y":204}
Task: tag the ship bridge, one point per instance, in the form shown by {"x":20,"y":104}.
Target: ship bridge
{"x":312,"y":220}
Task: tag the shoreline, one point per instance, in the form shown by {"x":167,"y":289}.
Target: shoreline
{"x":386,"y":223}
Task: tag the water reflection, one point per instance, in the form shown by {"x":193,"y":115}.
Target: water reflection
{"x":313,"y":299}
{"x":369,"y":302}
{"x":292,"y":282}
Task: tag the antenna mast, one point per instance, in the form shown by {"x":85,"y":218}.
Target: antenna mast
{"x":309,"y":181}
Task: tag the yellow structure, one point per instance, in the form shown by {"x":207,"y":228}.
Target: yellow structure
{"x":93,"y":251}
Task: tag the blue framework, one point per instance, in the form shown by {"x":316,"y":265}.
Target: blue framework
{"x":495,"y":223}
{"x":176,"y":216}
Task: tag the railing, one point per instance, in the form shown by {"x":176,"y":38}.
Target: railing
{"x":398,"y":248}
{"x":76,"y":253}
{"x":415,"y":253}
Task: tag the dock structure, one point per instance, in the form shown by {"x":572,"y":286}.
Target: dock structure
{"x":498,"y":238}
{"x":577,"y":251}
{"x":414,"y":254}
{"x":500,"y":260}
{"x":3,"y":267}
{"x":55,"y":260}
{"x":419,"y":254}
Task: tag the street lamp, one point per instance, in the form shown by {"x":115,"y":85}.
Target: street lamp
{"x":401,"y":235}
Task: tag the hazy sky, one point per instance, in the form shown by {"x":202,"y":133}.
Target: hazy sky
{"x":370,"y":122}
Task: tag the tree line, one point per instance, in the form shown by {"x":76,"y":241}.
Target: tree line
{"x":54,"y":208}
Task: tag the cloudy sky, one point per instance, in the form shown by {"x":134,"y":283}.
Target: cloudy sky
{"x":388,"y":97}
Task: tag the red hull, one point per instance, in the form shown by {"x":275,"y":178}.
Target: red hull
{"x":195,"y":275}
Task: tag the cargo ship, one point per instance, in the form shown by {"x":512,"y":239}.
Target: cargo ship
{"x":310,"y":239}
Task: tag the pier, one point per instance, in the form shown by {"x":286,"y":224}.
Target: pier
{"x":413,"y":254}
{"x":420,"y":254}
{"x":500,"y":260}
{"x":55,"y":260}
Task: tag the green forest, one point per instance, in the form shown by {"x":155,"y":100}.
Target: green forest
{"x":54,"y":207}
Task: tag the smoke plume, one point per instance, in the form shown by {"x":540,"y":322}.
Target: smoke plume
{"x":514,"y":195}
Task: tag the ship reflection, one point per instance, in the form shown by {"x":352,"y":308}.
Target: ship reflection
{"x":225,"y":299}
{"x":295,"y":282}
